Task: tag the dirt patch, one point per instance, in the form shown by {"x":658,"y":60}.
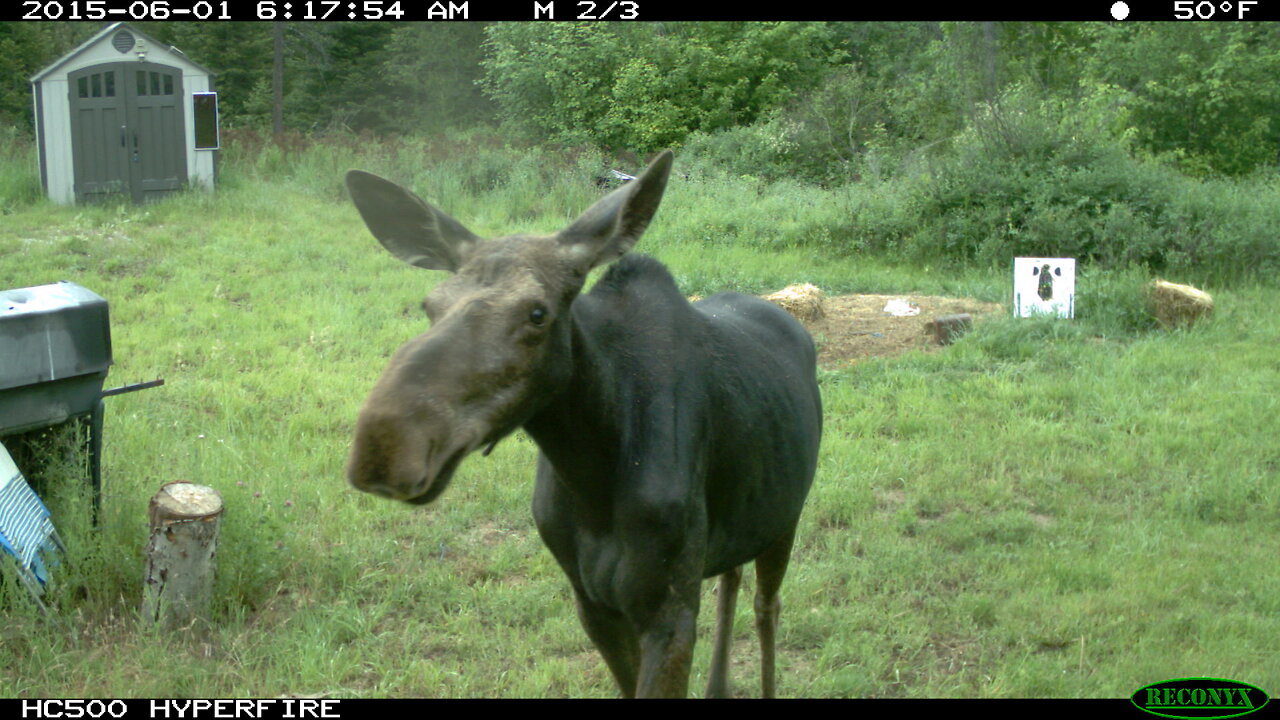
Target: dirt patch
{"x":490,"y":534}
{"x":856,"y":327}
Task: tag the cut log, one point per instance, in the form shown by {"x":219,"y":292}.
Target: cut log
{"x":178,"y":587}
{"x":946,"y":329}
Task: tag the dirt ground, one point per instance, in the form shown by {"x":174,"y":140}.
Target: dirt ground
{"x":856,"y":327}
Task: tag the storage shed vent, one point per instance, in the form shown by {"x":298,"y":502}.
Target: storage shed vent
{"x":123,"y":41}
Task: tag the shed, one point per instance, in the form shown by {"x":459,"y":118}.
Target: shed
{"x":118,"y":116}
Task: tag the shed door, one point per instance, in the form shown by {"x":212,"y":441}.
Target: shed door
{"x":127,"y":131}
{"x":158,"y":162}
{"x":99,"y":132}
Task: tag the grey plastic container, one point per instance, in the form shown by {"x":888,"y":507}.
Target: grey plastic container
{"x":55,"y":350}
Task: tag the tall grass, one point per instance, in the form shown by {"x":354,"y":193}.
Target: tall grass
{"x":19,"y":177}
{"x":1047,"y":508}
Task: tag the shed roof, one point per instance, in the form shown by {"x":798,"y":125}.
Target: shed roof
{"x":106,"y":31}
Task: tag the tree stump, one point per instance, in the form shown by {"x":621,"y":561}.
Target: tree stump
{"x":184,"y":522}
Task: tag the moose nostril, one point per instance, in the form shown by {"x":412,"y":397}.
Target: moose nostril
{"x":393,"y":478}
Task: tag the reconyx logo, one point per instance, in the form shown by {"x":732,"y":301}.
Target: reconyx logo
{"x":1199,"y":698}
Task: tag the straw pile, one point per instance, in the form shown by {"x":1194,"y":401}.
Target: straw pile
{"x":804,"y":302}
{"x":1175,"y":305}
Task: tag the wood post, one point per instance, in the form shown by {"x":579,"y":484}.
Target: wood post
{"x":178,"y":586}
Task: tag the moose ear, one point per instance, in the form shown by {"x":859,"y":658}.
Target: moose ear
{"x":407,"y":226}
{"x":608,"y":229}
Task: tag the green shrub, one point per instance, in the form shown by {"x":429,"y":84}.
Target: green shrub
{"x":1039,"y":178}
{"x":764,"y":149}
{"x":19,"y":177}
{"x":1222,"y":230}
{"x":1032,"y":177}
{"x":643,"y":87}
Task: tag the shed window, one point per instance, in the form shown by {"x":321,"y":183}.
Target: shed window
{"x":155,"y":83}
{"x":142,"y":82}
{"x":97,"y":85}
{"x":204,"y":107}
{"x":168,"y":84}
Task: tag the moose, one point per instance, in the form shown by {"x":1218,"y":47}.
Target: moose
{"x":677,"y":442}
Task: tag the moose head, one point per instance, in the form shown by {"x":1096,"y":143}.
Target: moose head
{"x":499,"y":344}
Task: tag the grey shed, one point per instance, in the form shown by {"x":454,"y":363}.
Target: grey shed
{"x":117,"y":116}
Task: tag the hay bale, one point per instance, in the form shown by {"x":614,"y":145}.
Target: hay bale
{"x":804,"y":302}
{"x":1176,"y":305}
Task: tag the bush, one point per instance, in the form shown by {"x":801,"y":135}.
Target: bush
{"x":1033,"y":178}
{"x":764,"y":149}
{"x":1222,"y":230}
{"x":646,"y":87}
{"x":1027,"y":177}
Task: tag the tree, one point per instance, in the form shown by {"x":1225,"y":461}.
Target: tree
{"x":640,"y":87}
{"x":277,"y":79}
{"x":432,"y":72}
{"x":1205,"y":94}
{"x":25,"y":49}
{"x":238,"y":53}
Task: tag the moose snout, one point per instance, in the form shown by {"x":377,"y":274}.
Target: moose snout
{"x":416,"y":427}
{"x":401,"y":460}
{"x":388,"y":458}
{"x":386,"y":484}
{"x":380,"y":479}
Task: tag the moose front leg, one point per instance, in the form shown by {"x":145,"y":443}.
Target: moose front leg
{"x":666,"y":649}
{"x":615,"y":638}
{"x":662,"y":592}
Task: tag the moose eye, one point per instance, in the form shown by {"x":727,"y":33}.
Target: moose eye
{"x":538,"y":315}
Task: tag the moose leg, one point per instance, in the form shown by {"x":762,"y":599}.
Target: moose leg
{"x":666,"y":651}
{"x":616,"y":640}
{"x":771,"y":566}
{"x":726,"y":598}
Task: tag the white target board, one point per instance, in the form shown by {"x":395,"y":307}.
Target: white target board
{"x":1044,"y":286}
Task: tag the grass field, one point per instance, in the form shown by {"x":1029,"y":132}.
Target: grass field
{"x":1046,"y":509}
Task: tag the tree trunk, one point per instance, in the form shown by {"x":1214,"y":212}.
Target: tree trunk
{"x":180,"y":556}
{"x":277,"y":81}
{"x":990,"y":55}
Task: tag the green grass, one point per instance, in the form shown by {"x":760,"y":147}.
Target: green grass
{"x":1048,"y":508}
